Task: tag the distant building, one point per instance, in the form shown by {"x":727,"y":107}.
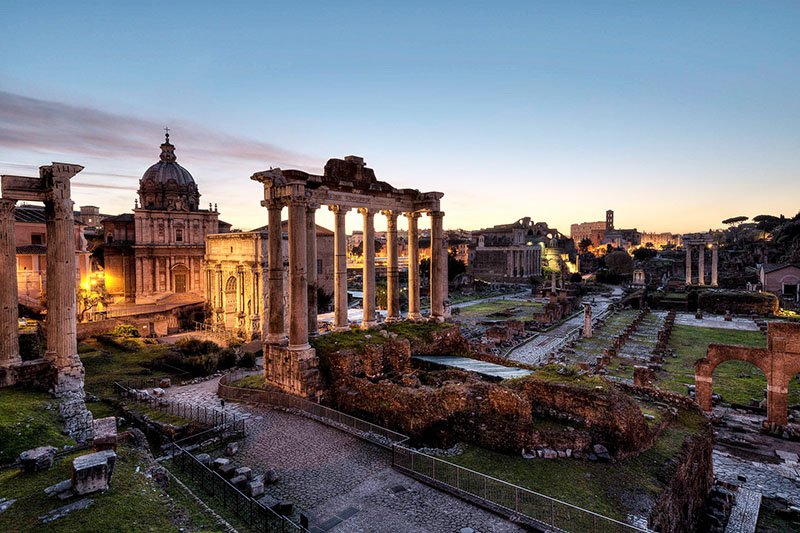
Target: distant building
{"x":158,"y":250}
{"x":236,"y":273}
{"x":30,"y":233}
{"x":509,"y":252}
{"x":594,"y":231}
{"x":781,"y":280}
{"x":661,"y":240}
{"x":603,"y":233}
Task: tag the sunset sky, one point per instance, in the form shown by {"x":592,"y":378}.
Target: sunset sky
{"x":674,"y":114}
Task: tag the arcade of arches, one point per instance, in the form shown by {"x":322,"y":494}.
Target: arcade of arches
{"x":780,"y":363}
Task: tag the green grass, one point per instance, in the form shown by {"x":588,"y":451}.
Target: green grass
{"x":598,"y":487}
{"x":570,"y":375}
{"x":510,"y":309}
{"x":250,"y":382}
{"x":25,"y":423}
{"x":105,"y":364}
{"x":356,"y":338}
{"x":422,"y":332}
{"x":132,"y":502}
{"x":735,"y":381}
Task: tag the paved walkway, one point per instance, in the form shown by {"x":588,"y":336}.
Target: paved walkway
{"x":536,"y":351}
{"x":715,"y":321}
{"x":771,"y":480}
{"x":327,"y":472}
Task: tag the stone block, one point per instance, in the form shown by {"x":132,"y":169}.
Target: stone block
{"x":601,"y":452}
{"x":245,"y":471}
{"x":549,"y":454}
{"x":232,"y":448}
{"x":59,"y":488}
{"x":61,"y":512}
{"x":239,"y":482}
{"x":204,"y":458}
{"x":37,"y":459}
{"x":165,"y":383}
{"x":227,"y":470}
{"x":92,"y":472}
{"x":271,"y":476}
{"x":254,"y":489}
{"x":105,"y":434}
{"x":158,"y":392}
{"x":220,"y":462}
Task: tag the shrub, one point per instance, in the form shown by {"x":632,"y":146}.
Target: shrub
{"x":193,"y":346}
{"x":125,"y":331}
{"x":248,"y":360}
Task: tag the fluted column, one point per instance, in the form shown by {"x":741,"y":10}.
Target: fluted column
{"x":9,"y":334}
{"x":298,"y":287}
{"x":311,"y":266}
{"x":392,"y":274}
{"x":275,"y":329}
{"x":413,"y":266}
{"x":340,"y":267}
{"x":714,"y":265}
{"x":438,"y":265}
{"x":368,"y":317}
{"x":62,"y":346}
{"x":688,"y":264}
{"x":701,"y":265}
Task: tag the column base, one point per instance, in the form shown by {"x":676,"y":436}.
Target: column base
{"x":392,"y":319}
{"x":339,"y":329}
{"x":369,"y":325}
{"x":414,"y":317}
{"x":293,"y":370}
{"x":299,"y":347}
{"x":275,"y":339}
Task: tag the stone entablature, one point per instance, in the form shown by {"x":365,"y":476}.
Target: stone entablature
{"x":701,"y":242}
{"x":346,"y":184}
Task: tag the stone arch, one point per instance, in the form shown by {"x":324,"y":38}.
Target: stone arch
{"x":779,"y":362}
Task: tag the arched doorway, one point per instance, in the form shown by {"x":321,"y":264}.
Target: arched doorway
{"x":180,"y":278}
{"x":740,"y":383}
{"x":230,"y":303}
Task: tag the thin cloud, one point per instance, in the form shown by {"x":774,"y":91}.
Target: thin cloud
{"x":102,"y":186}
{"x":31,"y":124}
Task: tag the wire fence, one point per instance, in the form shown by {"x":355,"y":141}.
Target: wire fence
{"x":141,"y":392}
{"x":220,"y":493}
{"x":518,"y":503}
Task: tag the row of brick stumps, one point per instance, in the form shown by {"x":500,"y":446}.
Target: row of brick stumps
{"x":620,"y":340}
{"x":569,"y":347}
{"x":662,"y":345}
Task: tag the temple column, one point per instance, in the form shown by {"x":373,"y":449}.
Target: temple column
{"x":688,"y":264}
{"x":157,"y":264}
{"x":62,"y":342}
{"x":9,"y":333}
{"x":392,"y":274}
{"x":714,"y":264}
{"x":340,"y":267}
{"x":701,"y":265}
{"x":413,"y":266}
{"x":368,"y":316}
{"x":298,"y":288}
{"x":275,"y":330}
{"x":438,"y":265}
{"x":311,"y":266}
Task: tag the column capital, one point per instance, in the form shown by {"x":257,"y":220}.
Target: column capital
{"x":312,"y":206}
{"x":435,"y":214}
{"x":7,"y":207}
{"x":389,"y":213}
{"x":413,"y":214}
{"x":273,"y":204}
{"x":368,"y":211}
{"x":339,"y":209}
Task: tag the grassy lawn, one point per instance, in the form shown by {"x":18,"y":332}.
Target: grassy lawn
{"x":105,"y":364}
{"x":735,"y":381}
{"x":505,"y":309}
{"x":26,"y":422}
{"x":598,"y":487}
{"x":132,"y":503}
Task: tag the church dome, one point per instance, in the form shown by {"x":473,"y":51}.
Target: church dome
{"x":167,"y":185}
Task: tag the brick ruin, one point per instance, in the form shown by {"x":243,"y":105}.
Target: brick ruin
{"x":52,"y":187}
{"x":779,"y":362}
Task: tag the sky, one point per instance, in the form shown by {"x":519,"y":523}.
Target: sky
{"x":676,"y":115}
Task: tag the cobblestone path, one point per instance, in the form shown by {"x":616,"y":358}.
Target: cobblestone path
{"x":327,"y":472}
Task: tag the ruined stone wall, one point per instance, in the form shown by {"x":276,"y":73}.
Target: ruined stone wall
{"x":613,"y":418}
{"x":690,"y":477}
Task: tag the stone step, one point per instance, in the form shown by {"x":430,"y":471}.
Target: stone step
{"x":744,"y":514}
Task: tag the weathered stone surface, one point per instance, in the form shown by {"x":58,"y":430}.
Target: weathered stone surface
{"x":5,"y":504}
{"x":245,"y":471}
{"x":165,"y":383}
{"x":105,"y":434}
{"x":92,"y":472}
{"x":232,"y":448}
{"x":220,"y":462}
{"x":61,"y":512}
{"x":227,"y":470}
{"x":37,"y":459}
{"x":204,"y":458}
{"x":58,"y":488}
{"x":238,"y":481}
{"x":254,"y":489}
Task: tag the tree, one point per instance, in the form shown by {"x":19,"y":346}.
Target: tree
{"x":619,"y":263}
{"x":585,"y":244}
{"x":734,"y":221}
{"x":643,"y":254}
{"x":90,"y":298}
{"x":454,"y":266}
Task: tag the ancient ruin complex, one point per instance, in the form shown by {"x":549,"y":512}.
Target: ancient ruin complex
{"x":346,"y":184}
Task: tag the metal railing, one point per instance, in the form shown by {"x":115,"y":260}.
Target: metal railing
{"x":222,"y":492}
{"x":202,"y":415}
{"x":516,"y":502}
{"x":361,"y":428}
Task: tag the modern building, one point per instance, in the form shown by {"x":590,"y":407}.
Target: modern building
{"x":783,"y":280}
